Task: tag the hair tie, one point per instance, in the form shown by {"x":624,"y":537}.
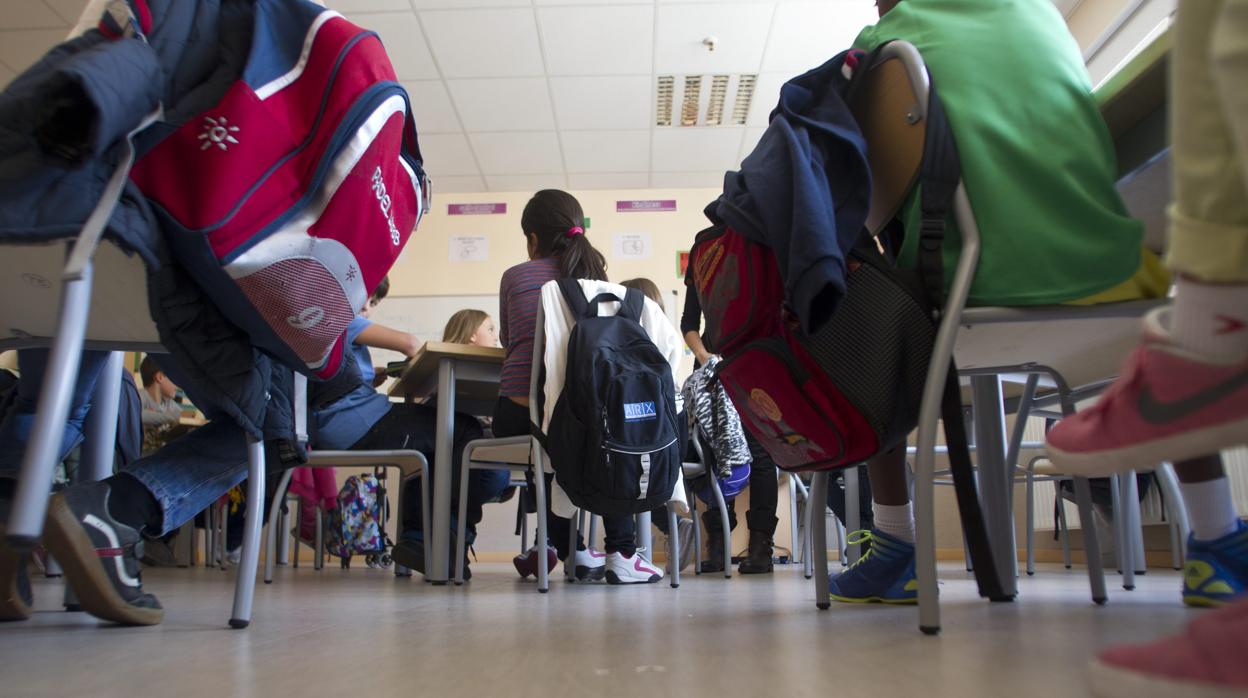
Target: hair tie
{"x":574,"y":230}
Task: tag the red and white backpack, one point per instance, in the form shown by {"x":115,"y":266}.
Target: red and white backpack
{"x":292,"y":197}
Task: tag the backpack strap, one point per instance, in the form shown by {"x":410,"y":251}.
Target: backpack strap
{"x":939,"y":175}
{"x":575,"y":299}
{"x":632,"y":305}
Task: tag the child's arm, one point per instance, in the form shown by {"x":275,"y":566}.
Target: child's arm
{"x":382,"y":337}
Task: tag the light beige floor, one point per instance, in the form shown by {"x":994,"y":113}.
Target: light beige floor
{"x":362,"y":632}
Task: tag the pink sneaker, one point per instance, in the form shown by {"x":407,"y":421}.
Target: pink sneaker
{"x":1167,"y":405}
{"x":1204,"y":661}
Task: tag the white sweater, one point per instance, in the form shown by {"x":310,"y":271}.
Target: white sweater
{"x":557,"y":324}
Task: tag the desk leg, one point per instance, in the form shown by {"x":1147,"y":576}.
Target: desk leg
{"x":994,"y":477}
{"x":442,"y":468}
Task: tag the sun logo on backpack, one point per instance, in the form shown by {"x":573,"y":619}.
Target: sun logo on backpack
{"x":763,"y":405}
{"x":217,"y":132}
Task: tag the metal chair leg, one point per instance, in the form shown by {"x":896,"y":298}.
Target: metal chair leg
{"x":1134,"y":528}
{"x":819,"y":542}
{"x":808,"y":563}
{"x":318,"y":556}
{"x":853,"y":515}
{"x":793,"y":518}
{"x":1126,"y":566}
{"x":593,"y":530}
{"x":569,"y":562}
{"x":225,"y":536}
{"x":1063,"y":528}
{"x":727,"y":527}
{"x":244,"y":591}
{"x":673,"y":553}
{"x":697,"y":529}
{"x":295,"y":532}
{"x":1091,"y":546}
{"x":270,"y":554}
{"x":1176,"y":511}
{"x":1031,"y":522}
{"x":539,"y":494}
{"x":461,"y":522}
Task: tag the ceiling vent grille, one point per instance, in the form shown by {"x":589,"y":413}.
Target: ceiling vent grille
{"x":703,"y":99}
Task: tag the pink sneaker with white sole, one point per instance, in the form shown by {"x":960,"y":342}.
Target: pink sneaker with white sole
{"x":1204,"y":661}
{"x":1167,"y":405}
{"x":631,"y":570}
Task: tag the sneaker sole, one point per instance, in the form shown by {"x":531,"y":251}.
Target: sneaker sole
{"x":1203,"y":601}
{"x":11,"y":605}
{"x":590,"y":574}
{"x":613,"y":578}
{"x":1174,"y":448}
{"x":1109,"y":681}
{"x":72,"y":547}
{"x":876,"y":599}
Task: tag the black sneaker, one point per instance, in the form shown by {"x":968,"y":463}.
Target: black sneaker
{"x":15,"y":596}
{"x":100,"y":556}
{"x":411,"y":554}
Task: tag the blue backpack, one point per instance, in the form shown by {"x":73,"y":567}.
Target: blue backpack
{"x":614,"y":439}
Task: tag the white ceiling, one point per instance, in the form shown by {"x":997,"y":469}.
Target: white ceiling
{"x":516,"y":95}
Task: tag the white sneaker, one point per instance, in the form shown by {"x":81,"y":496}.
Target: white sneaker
{"x":631,"y":570}
{"x":590,"y":564}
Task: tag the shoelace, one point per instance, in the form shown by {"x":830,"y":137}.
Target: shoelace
{"x":858,"y":538}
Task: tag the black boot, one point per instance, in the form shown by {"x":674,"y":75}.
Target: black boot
{"x":714,"y":560}
{"x":758,"y":557}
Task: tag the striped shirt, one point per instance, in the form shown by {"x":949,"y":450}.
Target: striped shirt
{"x":519,"y":296}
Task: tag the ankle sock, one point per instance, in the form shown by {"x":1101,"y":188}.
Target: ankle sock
{"x":130,"y":503}
{"x":895,"y":520}
{"x":1211,"y":319}
{"x":1210,"y":508}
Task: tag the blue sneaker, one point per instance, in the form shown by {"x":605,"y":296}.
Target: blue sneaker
{"x":1217,"y":570}
{"x":884,"y":573}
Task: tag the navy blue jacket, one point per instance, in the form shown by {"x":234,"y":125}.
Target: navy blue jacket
{"x":805,"y":191}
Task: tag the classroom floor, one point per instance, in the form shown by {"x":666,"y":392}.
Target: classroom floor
{"x":363,"y":632}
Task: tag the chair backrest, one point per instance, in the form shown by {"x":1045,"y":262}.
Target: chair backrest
{"x":892,"y":117}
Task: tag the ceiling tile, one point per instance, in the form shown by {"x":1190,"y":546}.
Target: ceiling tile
{"x":687,"y":180}
{"x":598,"y":40}
{"x":68,"y":10}
{"x":431,"y":106}
{"x":622,"y":180}
{"x":602,"y":102}
{"x":525,"y":183}
{"x":805,"y":35}
{"x":535,"y":152}
{"x":349,"y":6}
{"x":766,"y":95}
{"x":400,"y":33}
{"x":695,"y":149}
{"x":740,"y":30}
{"x":512,"y":104}
{"x":484,"y":43}
{"x":447,"y":154}
{"x":32,"y":14}
{"x":457,"y":184}
{"x":20,"y":49}
{"x":606,"y":151}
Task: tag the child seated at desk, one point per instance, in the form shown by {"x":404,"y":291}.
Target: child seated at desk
{"x":471,"y":326}
{"x":1038,"y":166}
{"x":96,"y":529}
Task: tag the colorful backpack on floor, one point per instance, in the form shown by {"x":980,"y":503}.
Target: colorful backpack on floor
{"x":290,"y":199}
{"x":358,"y":525}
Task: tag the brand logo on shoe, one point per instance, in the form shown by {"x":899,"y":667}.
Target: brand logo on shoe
{"x":113,"y":545}
{"x":1230,"y":324}
{"x":639,"y":411}
{"x":218,"y":132}
{"x":307,"y":318}
{"x":1157,"y":412}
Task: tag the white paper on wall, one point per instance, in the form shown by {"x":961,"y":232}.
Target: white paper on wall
{"x":469,"y":248}
{"x":631,"y":246}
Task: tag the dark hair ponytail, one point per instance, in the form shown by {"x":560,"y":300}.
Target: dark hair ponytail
{"x":555,"y":220}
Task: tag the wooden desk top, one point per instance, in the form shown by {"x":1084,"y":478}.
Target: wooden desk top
{"x":420,"y":378}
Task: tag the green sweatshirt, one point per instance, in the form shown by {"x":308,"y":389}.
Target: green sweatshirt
{"x":1037,"y":159}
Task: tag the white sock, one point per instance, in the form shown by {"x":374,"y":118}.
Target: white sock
{"x":895,"y":520}
{"x":1211,"y":319}
{"x":1210,"y":509}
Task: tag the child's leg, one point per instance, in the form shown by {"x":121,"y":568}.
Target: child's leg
{"x":619,"y":535}
{"x":1216,"y":570}
{"x":20,"y":419}
{"x":890,"y":493}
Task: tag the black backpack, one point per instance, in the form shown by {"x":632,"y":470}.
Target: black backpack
{"x":614,"y":439}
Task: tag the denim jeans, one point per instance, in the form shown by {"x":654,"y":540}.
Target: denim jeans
{"x":20,"y":421}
